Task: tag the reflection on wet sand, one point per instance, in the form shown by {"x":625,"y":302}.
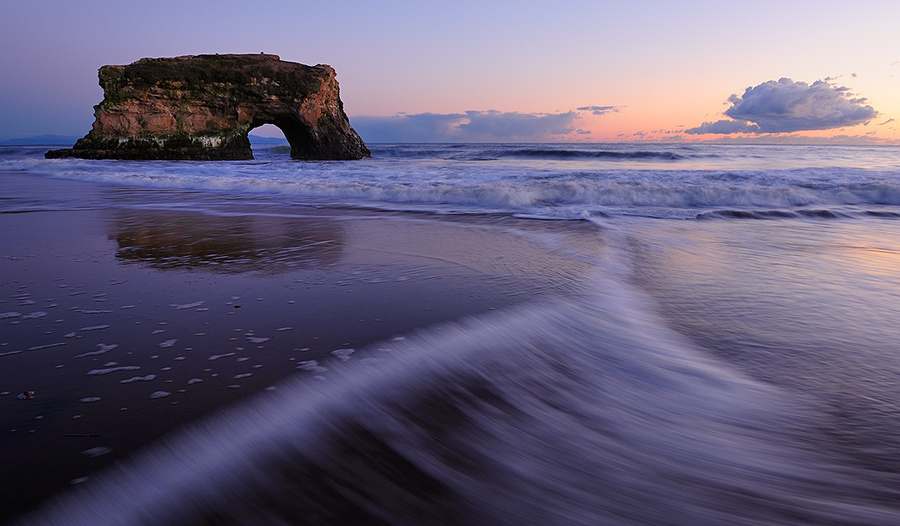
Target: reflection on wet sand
{"x":228,"y":244}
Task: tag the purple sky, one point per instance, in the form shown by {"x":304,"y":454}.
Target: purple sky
{"x":495,"y":70}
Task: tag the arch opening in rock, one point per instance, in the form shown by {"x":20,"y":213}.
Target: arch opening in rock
{"x":269,"y":143}
{"x":301,"y":137}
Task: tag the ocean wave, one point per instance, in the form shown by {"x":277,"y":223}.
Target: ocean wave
{"x":564,"y":196}
{"x":585,"y":410}
{"x":596,"y":154}
{"x":493,"y":152}
{"x":786,"y":214}
{"x":514,"y":179}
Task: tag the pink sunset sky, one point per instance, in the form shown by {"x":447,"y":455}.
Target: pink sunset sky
{"x":767,"y":71}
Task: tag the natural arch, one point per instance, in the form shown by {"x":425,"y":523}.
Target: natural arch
{"x":203,"y":107}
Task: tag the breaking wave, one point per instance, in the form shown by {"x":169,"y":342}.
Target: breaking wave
{"x":597,"y":154}
{"x":548,"y":181}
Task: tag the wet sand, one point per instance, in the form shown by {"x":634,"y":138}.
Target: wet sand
{"x":127,"y":323}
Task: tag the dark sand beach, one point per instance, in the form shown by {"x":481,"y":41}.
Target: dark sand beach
{"x":128,"y":324}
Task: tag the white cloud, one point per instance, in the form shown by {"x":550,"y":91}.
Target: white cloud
{"x":785,"y":106}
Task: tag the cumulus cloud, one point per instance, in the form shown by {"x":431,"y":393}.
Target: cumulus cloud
{"x":471,"y":126}
{"x":784,"y":106}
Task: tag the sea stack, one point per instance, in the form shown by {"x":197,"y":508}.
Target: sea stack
{"x":201,"y":107}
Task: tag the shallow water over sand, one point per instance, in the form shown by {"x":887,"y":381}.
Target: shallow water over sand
{"x":129,"y":323}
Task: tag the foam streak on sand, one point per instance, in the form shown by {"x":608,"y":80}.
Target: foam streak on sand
{"x":95,"y":372}
{"x":48,"y":346}
{"x":215,"y":357}
{"x":102,"y":350}
{"x":133,"y":379}
{"x":186,"y":306}
{"x":94,"y":328}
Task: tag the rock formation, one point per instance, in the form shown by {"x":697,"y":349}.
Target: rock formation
{"x":202,"y":108}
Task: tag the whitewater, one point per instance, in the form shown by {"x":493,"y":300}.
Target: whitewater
{"x":547,"y":181}
{"x":722,"y":349}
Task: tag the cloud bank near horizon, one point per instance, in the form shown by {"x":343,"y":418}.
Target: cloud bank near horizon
{"x":600,"y":110}
{"x":473,"y":126}
{"x":785,"y":106}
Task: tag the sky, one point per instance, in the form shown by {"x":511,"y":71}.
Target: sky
{"x":414,"y":71}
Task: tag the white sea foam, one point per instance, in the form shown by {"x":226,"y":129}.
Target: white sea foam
{"x":108,"y":370}
{"x":343,"y":354}
{"x":311,"y":365}
{"x":186,"y":306}
{"x":94,"y":328}
{"x":47,"y":346}
{"x":103,"y":349}
{"x":133,"y":379}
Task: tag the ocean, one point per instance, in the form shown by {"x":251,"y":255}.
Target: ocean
{"x":621,"y":333}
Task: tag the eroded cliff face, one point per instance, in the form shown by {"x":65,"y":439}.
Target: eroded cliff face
{"x":202,"y":108}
